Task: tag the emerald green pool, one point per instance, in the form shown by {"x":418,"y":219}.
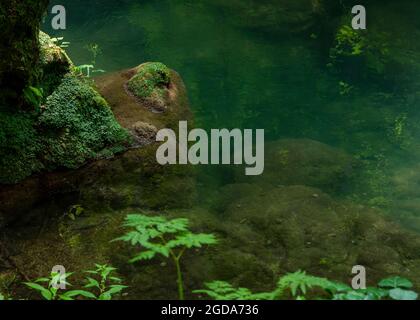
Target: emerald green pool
{"x":240,"y":75}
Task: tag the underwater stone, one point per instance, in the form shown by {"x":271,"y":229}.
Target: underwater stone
{"x":305,"y":162}
{"x":143,"y":133}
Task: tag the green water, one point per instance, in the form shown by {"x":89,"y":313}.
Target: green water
{"x":235,"y":77}
{"x":244,"y":76}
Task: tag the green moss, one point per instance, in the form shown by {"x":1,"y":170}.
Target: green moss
{"x":74,"y":126}
{"x":151,"y":77}
{"x":360,"y":54}
{"x":54,"y":63}
{"x":78,"y":125}
{"x":19,"y":146}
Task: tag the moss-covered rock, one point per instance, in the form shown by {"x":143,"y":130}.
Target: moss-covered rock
{"x":151,"y":84}
{"x":77,"y":125}
{"x":74,"y":124}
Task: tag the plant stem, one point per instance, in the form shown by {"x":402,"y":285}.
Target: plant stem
{"x":179,"y":279}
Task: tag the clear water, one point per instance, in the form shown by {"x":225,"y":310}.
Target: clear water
{"x":253,"y":78}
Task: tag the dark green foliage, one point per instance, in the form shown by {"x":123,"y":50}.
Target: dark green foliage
{"x":221,"y":290}
{"x":104,"y":282}
{"x":298,"y":285}
{"x":160,"y":236}
{"x":359,"y":54}
{"x":19,"y":146}
{"x":33,"y":96}
{"x":102,"y":279}
{"x":19,"y":28}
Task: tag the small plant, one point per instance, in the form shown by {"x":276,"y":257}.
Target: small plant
{"x":95,"y":51}
{"x":106,"y":284}
{"x":102,"y":279}
{"x":33,"y":96}
{"x":221,"y":290}
{"x":50,"y":288}
{"x":160,"y":236}
{"x":345,"y":88}
{"x":298,"y":283}
{"x":3,"y":297}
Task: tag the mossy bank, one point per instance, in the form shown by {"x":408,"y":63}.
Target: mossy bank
{"x":69,"y":124}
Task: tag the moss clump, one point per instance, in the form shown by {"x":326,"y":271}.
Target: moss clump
{"x":151,"y":84}
{"x":359,"y":54}
{"x":19,"y":146}
{"x":78,"y":125}
{"x":151,"y":76}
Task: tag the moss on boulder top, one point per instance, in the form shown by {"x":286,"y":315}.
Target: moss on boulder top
{"x":151,"y":84}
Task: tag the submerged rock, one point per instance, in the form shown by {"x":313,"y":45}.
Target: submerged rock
{"x":304,"y":162}
{"x":286,"y":16}
{"x":143,"y":133}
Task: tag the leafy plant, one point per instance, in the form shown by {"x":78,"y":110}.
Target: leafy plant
{"x":399,"y":288}
{"x":50,"y":288}
{"x":160,"y":236}
{"x":106,"y":284}
{"x":33,"y":96}
{"x":95,"y":51}
{"x":221,"y":290}
{"x":299,"y":283}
